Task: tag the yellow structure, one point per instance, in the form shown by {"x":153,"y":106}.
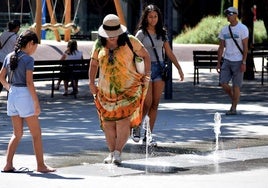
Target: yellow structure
{"x":38,"y":19}
{"x":120,"y":12}
{"x":68,"y":26}
{"x":235,"y":3}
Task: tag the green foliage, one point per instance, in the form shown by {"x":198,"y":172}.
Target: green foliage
{"x":260,"y":34}
{"x":206,"y":32}
{"x":49,"y":34}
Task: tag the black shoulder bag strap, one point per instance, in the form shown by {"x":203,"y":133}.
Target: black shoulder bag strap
{"x":130,"y":46}
{"x":157,"y":57}
{"x":6,"y":41}
{"x":235,"y":40}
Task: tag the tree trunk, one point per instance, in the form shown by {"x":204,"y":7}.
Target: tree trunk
{"x":247,"y":15}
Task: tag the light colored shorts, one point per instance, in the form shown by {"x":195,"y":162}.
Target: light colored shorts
{"x":20,"y":102}
{"x":230,"y":70}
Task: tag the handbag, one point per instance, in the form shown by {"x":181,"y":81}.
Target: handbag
{"x":164,"y":69}
{"x":139,"y":62}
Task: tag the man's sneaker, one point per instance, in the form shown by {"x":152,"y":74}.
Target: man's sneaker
{"x":136,"y":134}
{"x":117,"y":157}
{"x":109,"y":158}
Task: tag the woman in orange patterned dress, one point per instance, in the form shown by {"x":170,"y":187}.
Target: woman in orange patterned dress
{"x":121,"y":90}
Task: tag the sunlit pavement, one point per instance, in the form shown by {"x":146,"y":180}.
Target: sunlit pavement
{"x":185,"y":156}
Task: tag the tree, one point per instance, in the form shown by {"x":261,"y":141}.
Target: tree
{"x":247,"y":15}
{"x":262,"y":9}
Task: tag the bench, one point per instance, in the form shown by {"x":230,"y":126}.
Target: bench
{"x":204,"y":60}
{"x":51,"y":70}
{"x":261,"y":50}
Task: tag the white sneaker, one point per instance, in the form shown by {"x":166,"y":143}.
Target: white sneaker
{"x":109,"y":158}
{"x":136,"y":134}
{"x":117,"y":157}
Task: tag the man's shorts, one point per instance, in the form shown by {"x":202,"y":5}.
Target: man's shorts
{"x":20,"y":102}
{"x":231,"y":70}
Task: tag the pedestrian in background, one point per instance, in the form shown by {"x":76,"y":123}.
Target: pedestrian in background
{"x":23,"y":103}
{"x":121,"y":90}
{"x":233,"y":48}
{"x":7,"y":41}
{"x":71,"y":53}
{"x":153,"y":35}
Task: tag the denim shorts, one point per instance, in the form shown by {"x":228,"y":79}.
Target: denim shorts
{"x":20,"y":102}
{"x":156,"y":70}
{"x":230,"y":70}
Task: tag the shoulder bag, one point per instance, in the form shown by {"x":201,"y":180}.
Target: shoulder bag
{"x":139,"y":62}
{"x":164,"y":69}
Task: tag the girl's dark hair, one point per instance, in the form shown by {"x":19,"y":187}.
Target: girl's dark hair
{"x":22,"y":41}
{"x":120,"y":42}
{"x":13,"y":25}
{"x":72,"y":45}
{"x":161,"y":32}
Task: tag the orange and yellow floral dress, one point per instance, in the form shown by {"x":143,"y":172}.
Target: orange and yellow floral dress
{"x":121,"y":92}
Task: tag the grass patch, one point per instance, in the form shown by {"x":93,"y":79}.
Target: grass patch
{"x":207,"y":31}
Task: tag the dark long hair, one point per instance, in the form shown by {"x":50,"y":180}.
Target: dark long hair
{"x":22,"y":41}
{"x":120,"y":42}
{"x":13,"y":25}
{"x":161,"y":31}
{"x":72,"y":45}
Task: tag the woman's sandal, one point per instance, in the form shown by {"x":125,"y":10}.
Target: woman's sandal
{"x":20,"y":170}
{"x":231,"y":112}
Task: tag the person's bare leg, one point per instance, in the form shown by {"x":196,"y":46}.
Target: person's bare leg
{"x":157,"y":89}
{"x":75,"y":86}
{"x":110,"y":134}
{"x":236,"y":97}
{"x":34,"y":127}
{"x":148,"y":101}
{"x":57,"y":86}
{"x":122,"y":133}
{"x":17,"y":124}
{"x":65,"y":86}
{"x":228,"y":89}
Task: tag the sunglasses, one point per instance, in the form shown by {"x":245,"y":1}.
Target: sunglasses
{"x":230,"y":13}
{"x":111,"y":57}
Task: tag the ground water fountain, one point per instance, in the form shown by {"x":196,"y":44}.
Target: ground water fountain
{"x":156,"y":166}
{"x":146,"y":127}
{"x":217,"y":129}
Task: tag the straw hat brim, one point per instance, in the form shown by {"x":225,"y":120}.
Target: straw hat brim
{"x":111,"y":33}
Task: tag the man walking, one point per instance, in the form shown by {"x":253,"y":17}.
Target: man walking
{"x":233,"y":48}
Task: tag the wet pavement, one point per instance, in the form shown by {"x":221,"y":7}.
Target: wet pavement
{"x":186,"y":153}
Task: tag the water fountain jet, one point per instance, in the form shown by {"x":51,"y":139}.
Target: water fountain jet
{"x":217,"y":129}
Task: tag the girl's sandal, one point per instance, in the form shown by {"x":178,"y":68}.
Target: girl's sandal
{"x":231,"y":112}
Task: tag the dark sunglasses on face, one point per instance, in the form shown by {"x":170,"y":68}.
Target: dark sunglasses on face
{"x":230,"y":13}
